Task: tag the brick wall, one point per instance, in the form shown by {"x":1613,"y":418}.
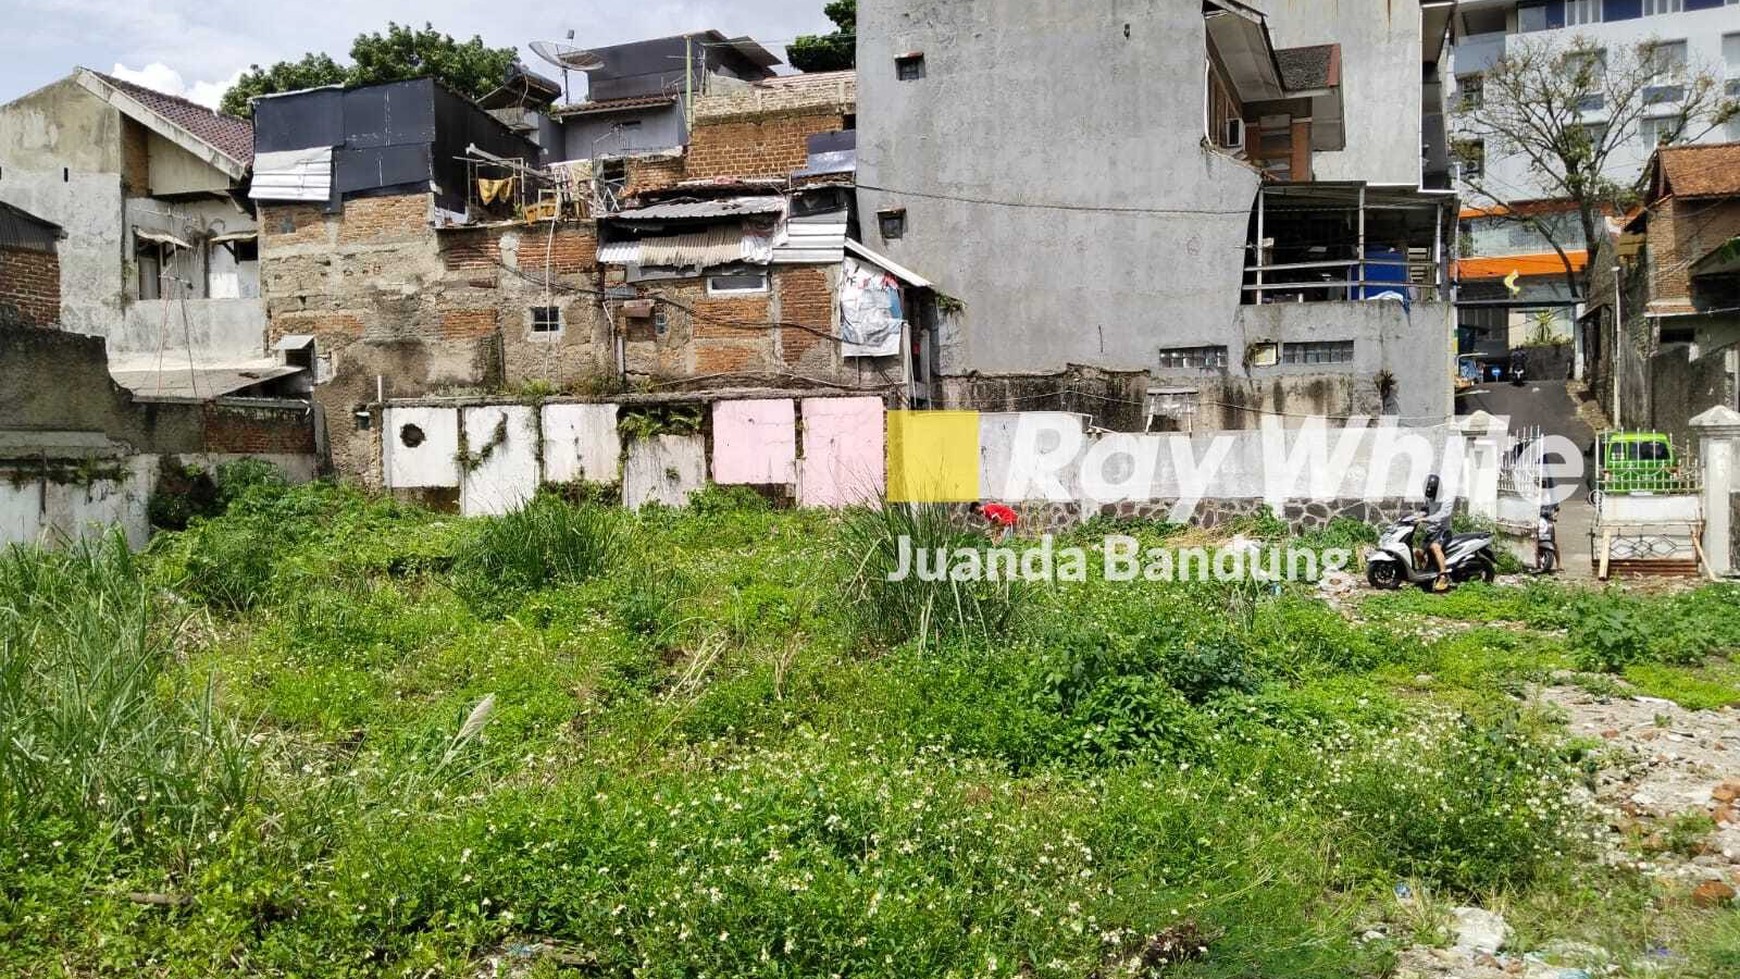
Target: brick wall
{"x":258,"y":430}
{"x":765,"y":146}
{"x":835,"y":91}
{"x":1680,"y":233}
{"x":654,"y":172}
{"x":806,"y":315}
{"x":372,"y":220}
{"x":29,"y":285}
{"x":135,"y":159}
{"x":570,"y":249}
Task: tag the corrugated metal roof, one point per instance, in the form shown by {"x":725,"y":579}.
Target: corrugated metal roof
{"x":21,"y":229}
{"x":817,"y":239}
{"x":702,"y":249}
{"x":293,"y":175}
{"x":725,"y":207}
{"x":888,"y":265}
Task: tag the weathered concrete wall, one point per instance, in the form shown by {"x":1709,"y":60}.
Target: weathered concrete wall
{"x":55,"y":510}
{"x":421,"y":447}
{"x":87,"y":206}
{"x":1380,"y":82}
{"x":1054,"y":180}
{"x":844,"y":459}
{"x":501,"y":470}
{"x":581,"y":443}
{"x":665,"y":469}
{"x":61,"y":125}
{"x":755,"y":442}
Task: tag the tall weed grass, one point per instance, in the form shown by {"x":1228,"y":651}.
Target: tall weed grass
{"x":104,"y":740}
{"x":546,"y":542}
{"x":893,"y":612}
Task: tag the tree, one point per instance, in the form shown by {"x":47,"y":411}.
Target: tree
{"x":403,"y":52}
{"x":829,"y":52}
{"x":1566,"y":109}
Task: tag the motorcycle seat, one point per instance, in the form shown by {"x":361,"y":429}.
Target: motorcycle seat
{"x":1460,"y":538}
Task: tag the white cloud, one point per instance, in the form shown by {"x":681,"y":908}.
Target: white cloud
{"x":162,"y":78}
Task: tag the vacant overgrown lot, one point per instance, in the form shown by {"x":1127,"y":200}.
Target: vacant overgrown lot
{"x":330,"y":735}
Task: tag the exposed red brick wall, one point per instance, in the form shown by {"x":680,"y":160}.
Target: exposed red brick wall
{"x":291,"y":224}
{"x":805,"y":300}
{"x":570,"y":250}
{"x":727,"y":357}
{"x":374,"y":220}
{"x":479,"y":249}
{"x":461,"y":324}
{"x":654,"y":173}
{"x":30,"y":283}
{"x":327,"y":328}
{"x":731,"y":318}
{"x":258,"y":431}
{"x":1680,"y":233}
{"x":772,"y":146}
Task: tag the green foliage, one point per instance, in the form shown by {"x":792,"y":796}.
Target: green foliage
{"x":546,"y":542}
{"x":401,"y":52}
{"x":894,"y":611}
{"x":636,"y":424}
{"x":829,"y":52}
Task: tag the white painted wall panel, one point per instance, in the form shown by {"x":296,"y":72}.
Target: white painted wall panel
{"x":581,"y":444}
{"x":508,"y":475}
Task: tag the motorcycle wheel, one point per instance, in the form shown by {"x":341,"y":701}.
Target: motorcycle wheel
{"x":1485,"y":570}
{"x":1383,"y":575}
{"x":1549,"y":562}
{"x":1595,"y":498}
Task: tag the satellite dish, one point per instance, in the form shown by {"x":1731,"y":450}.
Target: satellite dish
{"x":566,"y":56}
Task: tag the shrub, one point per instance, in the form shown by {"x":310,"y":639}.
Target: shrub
{"x":1608,"y":634}
{"x":546,"y":542}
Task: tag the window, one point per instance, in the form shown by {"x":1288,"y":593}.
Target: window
{"x":1588,"y":65}
{"x":1539,"y":16}
{"x":736,"y":283}
{"x":1678,"y":334}
{"x":546,"y":319}
{"x":1473,"y":90}
{"x":1582,"y":12}
{"x":909,"y":67}
{"x":1192,"y":358}
{"x":1662,"y":7}
{"x":1596,"y":133}
{"x":1656,"y":130}
{"x":892,"y":223}
{"x":1593,"y":102}
{"x":1667,"y":60}
{"x":1473,"y":157}
{"x":1317,"y":352}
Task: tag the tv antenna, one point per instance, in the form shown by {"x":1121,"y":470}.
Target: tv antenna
{"x":566,"y":57}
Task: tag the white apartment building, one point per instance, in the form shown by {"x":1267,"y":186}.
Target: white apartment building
{"x":1701,"y":35}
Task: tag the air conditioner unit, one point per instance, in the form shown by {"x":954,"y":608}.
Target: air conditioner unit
{"x":1232,"y":135}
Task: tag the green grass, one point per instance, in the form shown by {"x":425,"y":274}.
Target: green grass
{"x":342,"y":736}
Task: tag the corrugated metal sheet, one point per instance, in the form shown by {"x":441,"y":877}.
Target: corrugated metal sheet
{"x":21,"y":229}
{"x":293,"y":175}
{"x":702,"y":249}
{"x":888,"y":265}
{"x":726,"y":207}
{"x":817,"y":239}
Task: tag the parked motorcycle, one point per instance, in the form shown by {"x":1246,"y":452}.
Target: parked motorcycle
{"x":1518,"y":368}
{"x":1547,"y":540}
{"x":1396,"y":561}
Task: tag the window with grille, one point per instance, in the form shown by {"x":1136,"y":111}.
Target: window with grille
{"x":909,"y":67}
{"x":1192,"y":358}
{"x":1317,"y":352}
{"x":546,"y":319}
{"x":1473,"y":90}
{"x":736,"y":283}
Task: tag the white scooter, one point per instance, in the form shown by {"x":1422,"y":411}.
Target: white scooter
{"x":1396,"y":562}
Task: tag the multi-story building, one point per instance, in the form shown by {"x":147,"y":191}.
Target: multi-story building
{"x":1514,"y":286}
{"x":1160,"y":239}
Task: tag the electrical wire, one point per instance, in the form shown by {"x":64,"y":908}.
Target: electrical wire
{"x":1049,"y":206}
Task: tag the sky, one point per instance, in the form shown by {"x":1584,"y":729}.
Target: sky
{"x":195,"y":48}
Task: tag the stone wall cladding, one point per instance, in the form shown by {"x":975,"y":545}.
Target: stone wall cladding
{"x":836,"y":91}
{"x":29,"y":286}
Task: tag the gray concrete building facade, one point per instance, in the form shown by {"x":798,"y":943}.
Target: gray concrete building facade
{"x":1083,"y":183}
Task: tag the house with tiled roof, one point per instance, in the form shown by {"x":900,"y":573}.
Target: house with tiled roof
{"x":159,"y":256}
{"x":1672,"y":341}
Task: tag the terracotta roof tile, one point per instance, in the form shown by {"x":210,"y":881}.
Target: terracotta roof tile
{"x":1711,"y":170}
{"x":228,"y":135}
{"x":613,"y":105}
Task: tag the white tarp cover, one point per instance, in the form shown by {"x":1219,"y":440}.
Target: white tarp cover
{"x":871,"y":315}
{"x":293,"y":175}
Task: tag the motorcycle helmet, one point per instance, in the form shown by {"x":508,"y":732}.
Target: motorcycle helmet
{"x":1432,"y":488}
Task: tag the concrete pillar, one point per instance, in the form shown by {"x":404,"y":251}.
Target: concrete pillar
{"x":1482,"y":444}
{"x":1718,"y":431}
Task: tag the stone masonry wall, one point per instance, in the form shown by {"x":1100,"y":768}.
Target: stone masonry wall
{"x":29,"y":287}
{"x":426,"y":311}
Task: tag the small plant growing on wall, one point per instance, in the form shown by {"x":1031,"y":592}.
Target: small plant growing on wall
{"x":470,"y":461}
{"x":638,"y":424}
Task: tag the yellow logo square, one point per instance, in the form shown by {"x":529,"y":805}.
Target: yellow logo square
{"x":933,"y":456}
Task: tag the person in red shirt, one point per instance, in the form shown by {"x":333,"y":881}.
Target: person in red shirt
{"x":1001,"y":518}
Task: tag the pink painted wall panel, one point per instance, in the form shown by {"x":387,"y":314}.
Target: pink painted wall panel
{"x":755,"y":441}
{"x":843,"y":461}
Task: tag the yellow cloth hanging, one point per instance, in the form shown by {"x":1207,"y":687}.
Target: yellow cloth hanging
{"x":490,"y":191}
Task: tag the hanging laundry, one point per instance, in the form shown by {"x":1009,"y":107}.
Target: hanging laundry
{"x":490,"y":191}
